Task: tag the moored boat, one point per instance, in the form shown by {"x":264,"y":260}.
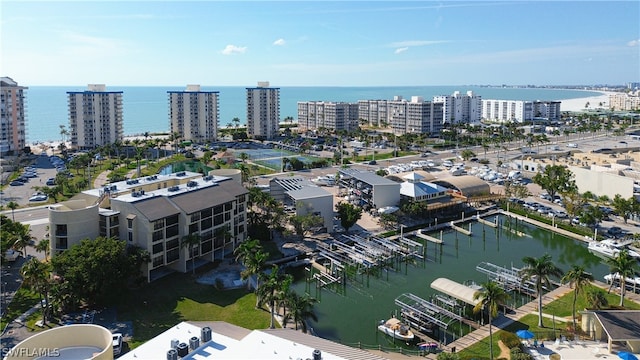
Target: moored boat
{"x":396,"y":329}
{"x":610,"y":248}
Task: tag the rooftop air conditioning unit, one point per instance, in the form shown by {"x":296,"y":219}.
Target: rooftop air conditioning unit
{"x":172,"y":354}
{"x":205,"y":334}
{"x":194,"y":343}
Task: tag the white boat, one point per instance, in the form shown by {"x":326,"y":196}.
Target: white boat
{"x":632,"y":282}
{"x":610,"y":248}
{"x":388,"y":210}
{"x":396,"y":329}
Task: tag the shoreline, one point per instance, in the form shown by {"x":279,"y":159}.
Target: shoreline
{"x":567,"y":105}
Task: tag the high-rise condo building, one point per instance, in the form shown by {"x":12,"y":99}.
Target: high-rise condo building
{"x":13,"y":119}
{"x":194,"y":114}
{"x":520,"y":110}
{"x":263,"y":111}
{"x":95,"y":117}
{"x":461,"y":108}
{"x":415,"y":117}
{"x":374,"y":112}
{"x":314,"y":115}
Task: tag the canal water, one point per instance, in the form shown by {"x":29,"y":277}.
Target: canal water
{"x":352,"y":317}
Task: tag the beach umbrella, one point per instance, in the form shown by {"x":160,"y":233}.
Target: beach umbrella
{"x":626,"y":355}
{"x":525,"y":334}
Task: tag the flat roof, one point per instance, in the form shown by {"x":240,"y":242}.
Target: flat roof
{"x":456,"y":290}
{"x":309,"y":192}
{"x":367,"y":177}
{"x":197,"y":198}
{"x":232,"y":342}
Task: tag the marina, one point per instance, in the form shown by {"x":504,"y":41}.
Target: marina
{"x":368,"y":295}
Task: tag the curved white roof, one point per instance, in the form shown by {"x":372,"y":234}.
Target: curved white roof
{"x":456,"y":290}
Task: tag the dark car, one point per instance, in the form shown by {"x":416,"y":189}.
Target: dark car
{"x":51,"y":181}
{"x":16,"y":183}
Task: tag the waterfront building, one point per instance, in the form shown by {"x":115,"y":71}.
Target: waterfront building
{"x":304,"y":197}
{"x":13,"y":134}
{"x":155,"y":213}
{"x":460,"y":108}
{"x":625,"y":101}
{"x":374,"y":112}
{"x":263,"y":111}
{"x":414,"y":188}
{"x":507,"y":110}
{"x":335,"y":116}
{"x":95,"y":117}
{"x":194,"y":114}
{"x":415,"y":116}
{"x":504,"y":111}
{"x":368,"y":190}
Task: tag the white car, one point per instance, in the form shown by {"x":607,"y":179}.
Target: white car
{"x":117,"y":344}
{"x":39,"y":197}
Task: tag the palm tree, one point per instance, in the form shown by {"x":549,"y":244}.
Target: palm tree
{"x":35,"y":274}
{"x":300,"y":308}
{"x":539,"y":270}
{"x":22,"y":239}
{"x":491,"y":297}
{"x":191,"y":242}
{"x":625,"y":266}
{"x":250,"y":253}
{"x":273,"y":284}
{"x":43,"y":246}
{"x":13,"y":205}
{"x":577,"y":278}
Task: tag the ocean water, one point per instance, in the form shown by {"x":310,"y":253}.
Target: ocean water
{"x":145,"y":108}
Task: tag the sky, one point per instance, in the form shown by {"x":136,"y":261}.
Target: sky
{"x":320,"y":43}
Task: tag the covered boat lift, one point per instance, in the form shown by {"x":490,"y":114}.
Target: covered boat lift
{"x":455,"y":290}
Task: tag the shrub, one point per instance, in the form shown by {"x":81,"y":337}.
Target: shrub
{"x":509,"y":339}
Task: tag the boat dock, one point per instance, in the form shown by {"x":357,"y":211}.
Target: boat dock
{"x":509,"y":279}
{"x":422,"y":314}
{"x":429,"y":237}
{"x":461,"y":230}
{"x":493,"y":224}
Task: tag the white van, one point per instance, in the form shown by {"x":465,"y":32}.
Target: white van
{"x":572,"y":145}
{"x":514,"y":175}
{"x":447,"y":163}
{"x":117,"y":344}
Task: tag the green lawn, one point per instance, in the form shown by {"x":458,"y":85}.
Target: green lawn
{"x":177,"y":297}
{"x":561,"y":308}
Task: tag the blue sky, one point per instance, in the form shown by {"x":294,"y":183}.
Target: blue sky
{"x":320,"y":43}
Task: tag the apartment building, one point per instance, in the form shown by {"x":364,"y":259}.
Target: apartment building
{"x":13,"y":135}
{"x":374,"y":112}
{"x":460,"y":108}
{"x":194,"y":114}
{"x":415,"y":116}
{"x":546,"y":110}
{"x":95,"y":117}
{"x":625,"y":101}
{"x":155,"y":213}
{"x":263,"y":111}
{"x":507,"y":110}
{"x":314,"y":115}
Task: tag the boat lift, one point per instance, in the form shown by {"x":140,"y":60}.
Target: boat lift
{"x":421,"y":313}
{"x":509,"y":279}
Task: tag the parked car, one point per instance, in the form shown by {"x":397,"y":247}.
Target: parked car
{"x":117,"y":344}
{"x":39,"y":197}
{"x":51,"y":181}
{"x":16,"y":183}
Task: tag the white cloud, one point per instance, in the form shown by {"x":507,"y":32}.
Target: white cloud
{"x":633,"y":43}
{"x":279,"y":42}
{"x":408,"y":43}
{"x":233,"y":49}
{"x":401,"y":50}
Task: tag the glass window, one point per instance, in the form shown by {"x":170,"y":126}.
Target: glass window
{"x":206,"y":213}
{"x":195,"y":217}
{"x":206,"y":224}
{"x":172,"y":231}
{"x":159,"y":247}
{"x":217,"y":220}
{"x":61,"y":230}
{"x":172,"y":244}
{"x":173,"y":255}
{"x":207,"y":246}
{"x":173,"y":219}
{"x":158,"y":224}
{"x":193,"y":228}
{"x":158,"y":235}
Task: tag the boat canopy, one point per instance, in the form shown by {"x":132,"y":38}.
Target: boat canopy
{"x":456,"y":290}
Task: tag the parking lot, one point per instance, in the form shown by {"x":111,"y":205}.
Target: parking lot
{"x":39,"y":171}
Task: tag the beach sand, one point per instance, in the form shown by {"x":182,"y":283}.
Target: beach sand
{"x":578,"y":104}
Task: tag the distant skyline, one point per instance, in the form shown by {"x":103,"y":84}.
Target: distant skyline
{"x":320,"y":43}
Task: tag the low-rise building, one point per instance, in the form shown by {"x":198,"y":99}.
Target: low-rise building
{"x":304,"y":197}
{"x":155,"y":213}
{"x":368,"y":190}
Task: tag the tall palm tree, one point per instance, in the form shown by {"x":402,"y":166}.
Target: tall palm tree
{"x":539,"y":270}
{"x":272,"y":285}
{"x":36,"y":275}
{"x":22,"y":239}
{"x":250,"y":253}
{"x":577,"y":278}
{"x":490,"y":298}
{"x":43,"y":246}
{"x":625,"y":266}
{"x":13,"y":205}
{"x":299,"y":309}
{"x":191,"y":242}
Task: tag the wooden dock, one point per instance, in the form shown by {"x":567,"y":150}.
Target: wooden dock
{"x":486,"y":222}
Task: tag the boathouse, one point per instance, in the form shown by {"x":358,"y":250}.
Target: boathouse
{"x":614,"y":326}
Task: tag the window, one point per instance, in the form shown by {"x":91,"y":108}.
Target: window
{"x":172,"y":244}
{"x":173,"y":255}
{"x":61,"y":230}
{"x":195,"y":217}
{"x":159,"y":247}
{"x":158,"y":261}
{"x":129,"y":223}
{"x":158,"y":235}
{"x":206,"y":213}
{"x":217,"y":220}
{"x":61,"y":242}
{"x":206,"y":224}
{"x":172,"y":231}
{"x":158,"y":224}
{"x":172,"y":220}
